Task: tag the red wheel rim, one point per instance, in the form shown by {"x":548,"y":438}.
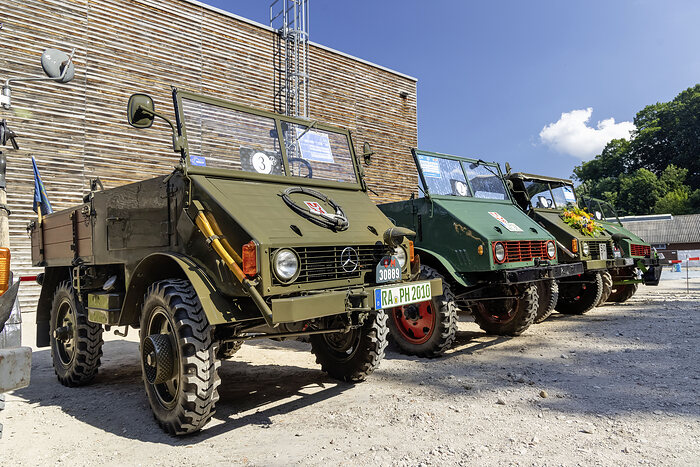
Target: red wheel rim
{"x":415,"y":322}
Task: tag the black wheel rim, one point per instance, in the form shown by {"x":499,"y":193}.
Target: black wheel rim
{"x":166,"y":392}
{"x":342,"y":345}
{"x":500,"y":312}
{"x":64,"y":332}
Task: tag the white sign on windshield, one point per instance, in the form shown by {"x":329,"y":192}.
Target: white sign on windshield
{"x":430,"y":166}
{"x":314,"y":146}
{"x":489,"y":195}
{"x":569,"y":193}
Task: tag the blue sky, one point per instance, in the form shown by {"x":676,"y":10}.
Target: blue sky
{"x":492,"y":74}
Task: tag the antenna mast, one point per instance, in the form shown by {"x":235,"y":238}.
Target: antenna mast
{"x":291,"y":56}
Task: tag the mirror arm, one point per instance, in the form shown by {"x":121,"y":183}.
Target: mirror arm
{"x":6,"y":95}
{"x":178,"y":144}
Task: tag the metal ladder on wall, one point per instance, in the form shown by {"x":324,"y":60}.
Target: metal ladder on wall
{"x":291,"y":56}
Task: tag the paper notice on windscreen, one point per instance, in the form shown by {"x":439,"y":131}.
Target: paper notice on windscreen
{"x":569,"y":194}
{"x":430,"y":166}
{"x":508,"y":225}
{"x":314,"y":146}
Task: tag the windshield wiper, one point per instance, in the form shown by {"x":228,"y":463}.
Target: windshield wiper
{"x":481,"y":162}
{"x":313,"y":124}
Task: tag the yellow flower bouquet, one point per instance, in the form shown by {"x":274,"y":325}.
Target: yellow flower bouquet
{"x":581,"y":220}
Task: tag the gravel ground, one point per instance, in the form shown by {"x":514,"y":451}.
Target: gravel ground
{"x":618,"y":386}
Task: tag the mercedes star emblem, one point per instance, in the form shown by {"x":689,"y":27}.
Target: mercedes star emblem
{"x":349,"y":259}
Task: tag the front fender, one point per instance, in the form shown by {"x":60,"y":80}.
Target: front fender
{"x":437,"y":261}
{"x":165,"y":265}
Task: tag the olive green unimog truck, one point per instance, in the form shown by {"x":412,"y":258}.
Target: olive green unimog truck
{"x":551,"y":202}
{"x":264,"y":229}
{"x":646,"y":268}
{"x":494,"y":260}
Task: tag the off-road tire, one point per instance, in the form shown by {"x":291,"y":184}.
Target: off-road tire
{"x":444,"y":327}
{"x":228,"y":349}
{"x":548,"y":294}
{"x":622,"y":293}
{"x":577,"y":299}
{"x":366,"y":351}
{"x":79,"y":365}
{"x":194,"y":349}
{"x":607,"y":288}
{"x":524,"y":316}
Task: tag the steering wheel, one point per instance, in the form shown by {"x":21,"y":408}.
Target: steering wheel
{"x":300,"y":163}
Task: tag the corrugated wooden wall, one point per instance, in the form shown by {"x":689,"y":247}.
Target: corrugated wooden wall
{"x":78,"y":131}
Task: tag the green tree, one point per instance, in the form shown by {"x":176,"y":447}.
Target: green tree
{"x":665,"y":144}
{"x":674,"y":202}
{"x":639,"y":192}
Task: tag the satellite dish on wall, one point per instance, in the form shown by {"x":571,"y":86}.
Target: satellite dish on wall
{"x":57,"y":65}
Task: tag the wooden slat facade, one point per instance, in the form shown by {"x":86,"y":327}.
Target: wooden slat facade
{"x":78,"y":131}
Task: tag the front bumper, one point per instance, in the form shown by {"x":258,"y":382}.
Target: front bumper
{"x":301,"y":308}
{"x":15,"y":368}
{"x":538,"y":273}
{"x":596,"y":264}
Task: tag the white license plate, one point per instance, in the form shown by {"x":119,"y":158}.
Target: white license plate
{"x":409,"y":292}
{"x":603,"y":251}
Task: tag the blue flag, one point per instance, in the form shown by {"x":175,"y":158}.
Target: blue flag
{"x":41,"y":201}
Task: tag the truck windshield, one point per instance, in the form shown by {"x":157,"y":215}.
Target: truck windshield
{"x":225,"y":138}
{"x":544,"y":195}
{"x":564,"y":196}
{"x":450,"y":177}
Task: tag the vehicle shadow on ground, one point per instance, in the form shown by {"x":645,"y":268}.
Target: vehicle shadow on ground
{"x":619,"y":368}
{"x":116,"y":401}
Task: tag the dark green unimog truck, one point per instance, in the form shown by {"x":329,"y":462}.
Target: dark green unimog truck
{"x":646,"y":268}
{"x":264,"y":230}
{"x":549,"y":200}
{"x":494,"y":260}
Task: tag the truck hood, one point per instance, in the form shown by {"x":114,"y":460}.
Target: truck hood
{"x":259,"y":209}
{"x":615,"y":228}
{"x":554,"y":223}
{"x":484,"y":218}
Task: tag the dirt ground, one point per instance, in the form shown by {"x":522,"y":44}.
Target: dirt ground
{"x":621,"y":387}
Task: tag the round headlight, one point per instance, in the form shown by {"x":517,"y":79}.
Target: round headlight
{"x":400,"y":254}
{"x":285,"y":264}
{"x":584,"y":248}
{"x":551,"y":249}
{"x":499,"y":252}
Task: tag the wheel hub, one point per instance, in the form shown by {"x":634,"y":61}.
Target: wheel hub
{"x":158,"y":358}
{"x":64,"y":333}
{"x":415,"y":322}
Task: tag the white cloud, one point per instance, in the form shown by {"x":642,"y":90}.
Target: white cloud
{"x":571,"y":134}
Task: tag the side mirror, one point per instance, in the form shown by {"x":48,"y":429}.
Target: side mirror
{"x":367,"y":153}
{"x":140,"y":111}
{"x":58,"y":65}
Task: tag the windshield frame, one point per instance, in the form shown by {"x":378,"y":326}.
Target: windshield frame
{"x":587,"y":201}
{"x":179,"y":95}
{"x":492,"y":165}
{"x":551,"y":185}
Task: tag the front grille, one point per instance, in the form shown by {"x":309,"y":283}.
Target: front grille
{"x":525,"y":250}
{"x":324,"y":263}
{"x":594,"y":249}
{"x":640,"y":250}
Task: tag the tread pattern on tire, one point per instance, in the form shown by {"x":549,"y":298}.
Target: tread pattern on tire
{"x":569,"y":305}
{"x":607,"y":288}
{"x":228,"y":349}
{"x":88,"y":341}
{"x":527,"y":311}
{"x":446,"y":327}
{"x":199,"y":365}
{"x":372,"y":346}
{"x":548,"y":292}
{"x":622,"y":293}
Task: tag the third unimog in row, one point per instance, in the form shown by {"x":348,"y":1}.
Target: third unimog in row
{"x":264,"y":229}
{"x":548,"y":201}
